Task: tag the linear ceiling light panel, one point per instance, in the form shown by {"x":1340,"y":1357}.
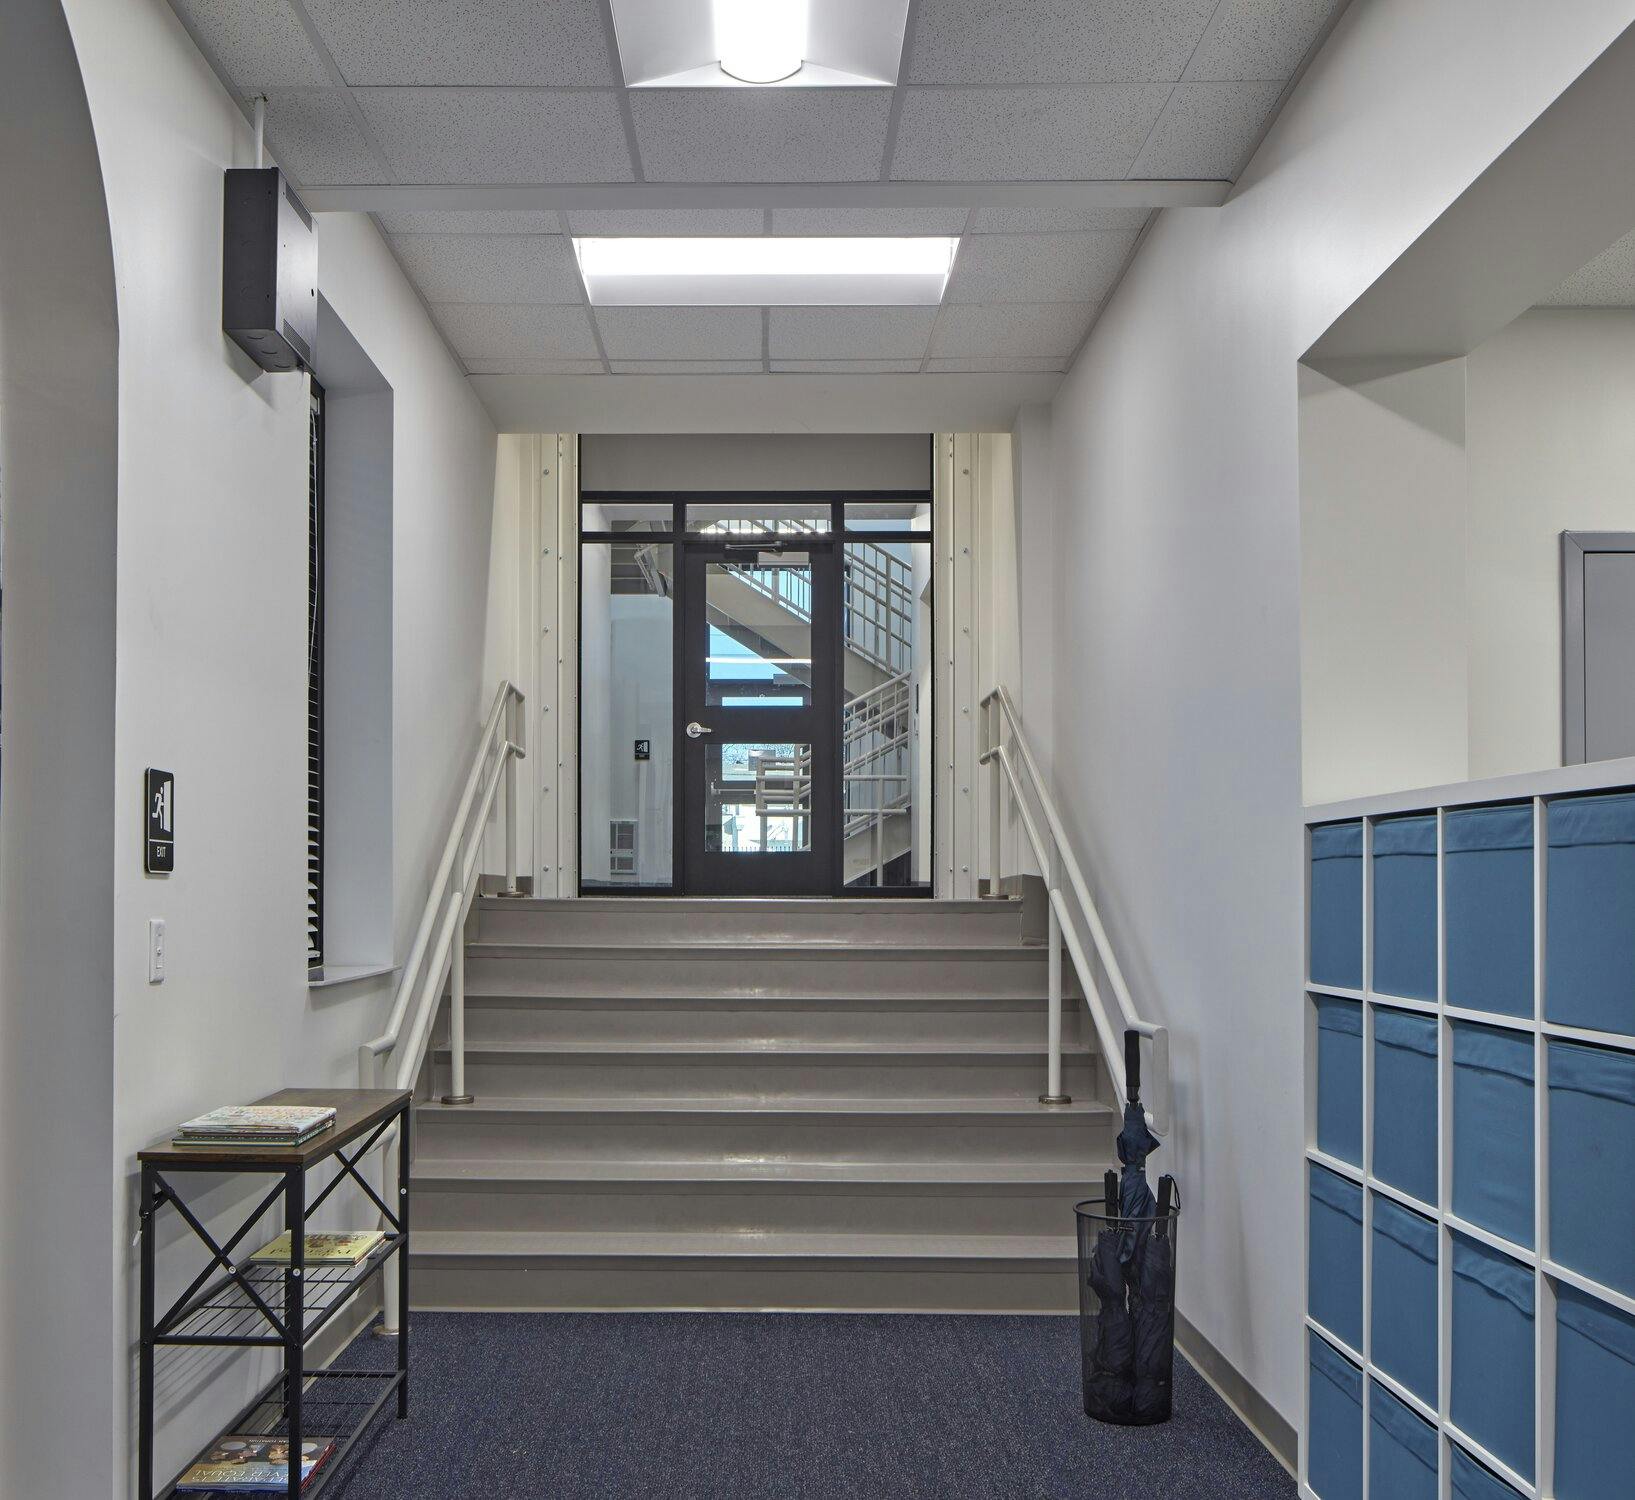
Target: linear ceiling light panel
{"x":724,"y":44}
{"x":767,"y":271}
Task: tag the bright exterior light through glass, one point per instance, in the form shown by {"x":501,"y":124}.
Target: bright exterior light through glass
{"x":760,"y":41}
{"x":767,"y":271}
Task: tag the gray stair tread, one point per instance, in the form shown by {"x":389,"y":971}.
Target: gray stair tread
{"x":756,"y":1243}
{"x":781,"y":1104}
{"x":757,"y":950}
{"x":908,"y":1173}
{"x":869,"y":906}
{"x":767,"y":1047}
{"x":476,"y":994}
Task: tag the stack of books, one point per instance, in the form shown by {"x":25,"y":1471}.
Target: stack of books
{"x":270,"y":1126}
{"x":252,"y":1464}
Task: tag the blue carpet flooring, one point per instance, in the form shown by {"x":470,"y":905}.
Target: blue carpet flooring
{"x":790,"y":1406}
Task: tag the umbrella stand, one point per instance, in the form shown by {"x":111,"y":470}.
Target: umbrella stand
{"x":1127,"y":1254}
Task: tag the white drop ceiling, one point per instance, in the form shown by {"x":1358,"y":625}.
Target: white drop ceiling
{"x":485,"y":132}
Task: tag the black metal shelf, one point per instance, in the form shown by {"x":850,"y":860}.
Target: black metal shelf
{"x":338,"y":1404}
{"x":225,"y":1314}
{"x":251,"y":1304}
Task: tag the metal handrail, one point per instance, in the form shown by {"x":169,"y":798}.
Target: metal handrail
{"x":393,"y":1059}
{"x":1056,"y":859}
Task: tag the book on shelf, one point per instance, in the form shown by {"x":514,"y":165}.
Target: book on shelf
{"x":252,"y":1464}
{"x":343,"y":1248}
{"x":257,"y":1124}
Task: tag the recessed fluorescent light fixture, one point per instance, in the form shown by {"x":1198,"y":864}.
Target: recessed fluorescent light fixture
{"x":766,"y":271}
{"x":759,"y":44}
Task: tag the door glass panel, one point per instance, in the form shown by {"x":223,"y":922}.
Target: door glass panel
{"x":758,"y":799}
{"x":760,"y":631}
{"x":886,"y":742}
{"x":748,"y":520}
{"x":626,"y":724}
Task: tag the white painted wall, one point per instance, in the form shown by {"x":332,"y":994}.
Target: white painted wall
{"x":211,"y":622}
{"x":1384,"y":624}
{"x":1036,"y":504}
{"x":1178,"y":564}
{"x":1551,"y":420}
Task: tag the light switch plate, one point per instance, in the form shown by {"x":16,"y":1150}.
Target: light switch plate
{"x":156,"y":951}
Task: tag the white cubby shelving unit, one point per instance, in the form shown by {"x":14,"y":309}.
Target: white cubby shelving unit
{"x":1538,"y":791}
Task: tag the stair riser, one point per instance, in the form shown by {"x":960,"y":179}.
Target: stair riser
{"x":658,"y":922}
{"x":961,"y":1208}
{"x":1071,"y":1139}
{"x":563,"y":1078}
{"x":748,"y":974}
{"x":551,"y":1283}
{"x":541,"y":1021}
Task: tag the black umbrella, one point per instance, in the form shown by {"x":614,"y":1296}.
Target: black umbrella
{"x":1148,"y":1253}
{"x":1109,"y":1352}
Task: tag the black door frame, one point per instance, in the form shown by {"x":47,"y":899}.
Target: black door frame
{"x":704,"y":872}
{"x":675,"y":536}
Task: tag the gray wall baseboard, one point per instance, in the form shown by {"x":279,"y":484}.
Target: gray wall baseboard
{"x":1259,"y":1415}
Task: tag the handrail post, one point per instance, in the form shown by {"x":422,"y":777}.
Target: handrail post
{"x":512,"y":731}
{"x":1053,"y":1033}
{"x":457,"y":1002}
{"x":996,"y":783}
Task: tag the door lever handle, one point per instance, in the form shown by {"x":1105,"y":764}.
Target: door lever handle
{"x":695,"y":730}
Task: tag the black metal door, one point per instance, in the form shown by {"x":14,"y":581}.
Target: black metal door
{"x":758,"y":737}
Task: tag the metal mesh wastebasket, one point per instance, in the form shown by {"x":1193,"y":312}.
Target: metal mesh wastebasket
{"x":1127,"y":1312}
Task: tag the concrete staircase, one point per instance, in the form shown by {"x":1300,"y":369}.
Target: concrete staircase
{"x":755,"y":1104}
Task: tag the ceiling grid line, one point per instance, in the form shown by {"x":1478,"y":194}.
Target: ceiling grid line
{"x":359,"y":121}
{"x":899,"y":92}
{"x":584,"y":293}
{"x":931,"y":340}
{"x":1146,"y":140}
{"x":627,"y":116}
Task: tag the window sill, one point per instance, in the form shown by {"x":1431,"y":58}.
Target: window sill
{"x":333,"y":974}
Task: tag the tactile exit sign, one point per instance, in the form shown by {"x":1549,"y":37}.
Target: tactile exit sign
{"x":159,"y":846}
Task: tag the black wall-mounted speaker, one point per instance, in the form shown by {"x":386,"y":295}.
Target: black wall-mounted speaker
{"x":269,"y":270}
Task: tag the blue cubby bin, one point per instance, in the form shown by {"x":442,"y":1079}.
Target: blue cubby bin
{"x":1592,"y":1143}
{"x":1487,"y":899}
{"x":1339,"y":1078}
{"x":1403,"y":1313}
{"x":1492,"y":1397}
{"x":1334,"y":1440}
{"x":1405,"y":1114}
{"x":1405,"y":907}
{"x":1471,"y":1481}
{"x":1402,"y":1449}
{"x":1493,"y":1130}
{"x":1589,"y":964}
{"x":1595,"y":1398}
{"x":1334,"y":1274}
{"x":1337,"y":905}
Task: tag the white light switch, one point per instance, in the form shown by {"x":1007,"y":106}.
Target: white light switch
{"x":156,"y":951}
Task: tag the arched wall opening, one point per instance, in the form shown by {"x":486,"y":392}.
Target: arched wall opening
{"x":58,"y":477}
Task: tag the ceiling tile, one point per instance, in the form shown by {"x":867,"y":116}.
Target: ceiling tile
{"x":845,"y":366}
{"x":1055,"y":41}
{"x":1041,"y":329}
{"x":311,"y":134}
{"x":685,"y":366}
{"x":1025,"y":134}
{"x":867,"y":221}
{"x":667,"y":221}
{"x":499,"y":135}
{"x":534,"y":367}
{"x":1055,"y":220}
{"x":850,"y":332}
{"x":1207,"y":130}
{"x":761,"y":135}
{"x":680,"y":332}
{"x":472,"y":221}
{"x":1607,"y":281}
{"x":507,"y":268}
{"x":1259,"y":39}
{"x":531,"y":43}
{"x":997,"y":364}
{"x":481,"y":331}
{"x":1038,"y":267}
{"x":259,"y":43}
